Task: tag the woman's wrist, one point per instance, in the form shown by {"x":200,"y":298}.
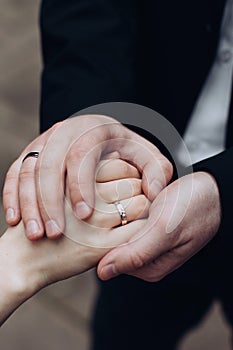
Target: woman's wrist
{"x":19,"y":277}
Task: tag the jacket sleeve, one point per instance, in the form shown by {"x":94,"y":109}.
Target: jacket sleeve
{"x":221,"y":167}
{"x":89,"y":55}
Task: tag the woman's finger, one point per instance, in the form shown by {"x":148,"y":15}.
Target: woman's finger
{"x":108,"y":215}
{"x":114,"y":169}
{"x":117,"y":190}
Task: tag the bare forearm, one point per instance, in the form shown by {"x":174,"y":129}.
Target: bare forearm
{"x":18,"y":281}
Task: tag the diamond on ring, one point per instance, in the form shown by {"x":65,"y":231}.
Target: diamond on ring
{"x":122,"y":212}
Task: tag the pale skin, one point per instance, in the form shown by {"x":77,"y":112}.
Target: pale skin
{"x":79,"y":135}
{"x":151,"y":256}
{"x":28,"y":266}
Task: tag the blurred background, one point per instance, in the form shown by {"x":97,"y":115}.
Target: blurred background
{"x":59,"y":317}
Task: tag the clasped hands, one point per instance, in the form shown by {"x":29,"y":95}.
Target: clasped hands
{"x":182,"y":218}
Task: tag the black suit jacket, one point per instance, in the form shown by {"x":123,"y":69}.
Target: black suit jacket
{"x":155,"y":53}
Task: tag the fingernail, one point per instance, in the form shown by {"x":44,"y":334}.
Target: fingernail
{"x":32,"y":227}
{"x":108,"y":272}
{"x":10,"y":214}
{"x":82,"y":210}
{"x":52,"y":228}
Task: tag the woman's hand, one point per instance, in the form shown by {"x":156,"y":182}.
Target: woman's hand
{"x":116,"y":181}
{"x":27,"y":266}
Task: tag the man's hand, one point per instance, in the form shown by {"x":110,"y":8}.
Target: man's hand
{"x":34,"y":190}
{"x":183,"y":218}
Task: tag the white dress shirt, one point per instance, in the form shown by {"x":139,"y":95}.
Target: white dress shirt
{"x":206,"y":129}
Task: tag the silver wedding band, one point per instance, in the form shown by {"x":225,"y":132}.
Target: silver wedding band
{"x":31,"y":154}
{"x":122,"y":212}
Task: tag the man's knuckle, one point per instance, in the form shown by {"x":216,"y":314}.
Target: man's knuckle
{"x":26,"y":204}
{"x":7,"y":192}
{"x":10,"y":176}
{"x":77,"y":151}
{"x":73,"y":187}
{"x":72,"y":154}
{"x":167,"y":168}
{"x":136,"y":261}
{"x":26,"y":174}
